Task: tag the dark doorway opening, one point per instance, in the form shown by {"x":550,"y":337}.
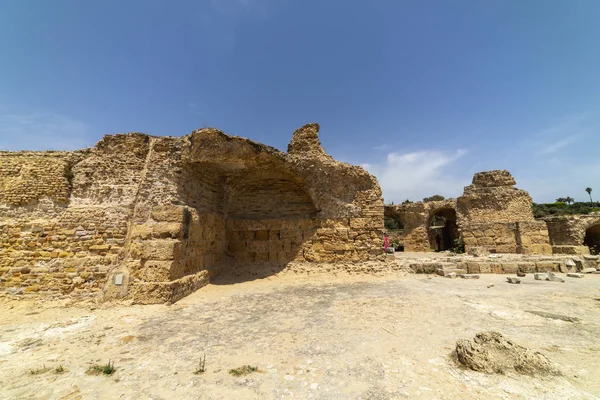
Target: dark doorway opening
{"x":443,"y":230}
{"x":592,"y":239}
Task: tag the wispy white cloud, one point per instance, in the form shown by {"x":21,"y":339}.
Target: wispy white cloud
{"x":562,"y":143}
{"x":42,"y":131}
{"x":419,"y":174}
{"x":565,"y":124}
{"x":564,"y":132}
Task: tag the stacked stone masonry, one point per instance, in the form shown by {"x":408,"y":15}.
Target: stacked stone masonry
{"x":492,"y":216}
{"x":162,"y":215}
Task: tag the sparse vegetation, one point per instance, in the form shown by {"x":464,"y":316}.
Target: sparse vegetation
{"x":435,"y":197}
{"x":567,"y":200}
{"x":459,"y":246}
{"x":391,"y":224}
{"x":564,"y":208}
{"x":97,"y":369}
{"x":39,"y":371}
{"x":58,"y":370}
{"x":243,"y":370}
{"x":201,"y":366}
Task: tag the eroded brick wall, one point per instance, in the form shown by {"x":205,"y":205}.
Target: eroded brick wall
{"x":45,"y":245}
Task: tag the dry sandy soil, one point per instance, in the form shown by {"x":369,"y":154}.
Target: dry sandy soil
{"x":311,"y":337}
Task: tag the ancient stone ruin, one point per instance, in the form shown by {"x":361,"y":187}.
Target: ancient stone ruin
{"x":154,"y":218}
{"x":574,"y":234}
{"x":492,"y":216}
{"x":496,"y":216}
{"x":421,"y":229}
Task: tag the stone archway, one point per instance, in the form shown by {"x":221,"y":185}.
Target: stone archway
{"x":442,"y":229}
{"x":592,"y":239}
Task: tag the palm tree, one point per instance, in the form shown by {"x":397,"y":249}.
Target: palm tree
{"x":569,"y":200}
{"x":589,"y":191}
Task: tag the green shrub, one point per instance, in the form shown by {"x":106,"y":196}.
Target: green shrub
{"x":106,"y":369}
{"x":459,"y":246}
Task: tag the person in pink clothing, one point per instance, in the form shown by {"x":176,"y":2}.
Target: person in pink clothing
{"x":386,"y":242}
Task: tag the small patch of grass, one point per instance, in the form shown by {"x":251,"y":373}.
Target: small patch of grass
{"x":106,"y":369}
{"x":39,"y":371}
{"x":243,"y":370}
{"x":201,"y":366}
{"x":59,"y":369}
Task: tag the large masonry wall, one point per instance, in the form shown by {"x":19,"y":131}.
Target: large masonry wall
{"x":154,"y":218}
{"x":46,"y":244}
{"x":491,"y":216}
{"x":495,"y":216}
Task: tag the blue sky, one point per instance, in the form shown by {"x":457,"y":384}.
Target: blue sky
{"x":422,"y":93}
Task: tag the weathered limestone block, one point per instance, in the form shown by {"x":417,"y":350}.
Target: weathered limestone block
{"x":168,"y":213}
{"x":545,"y":266}
{"x":161,"y":292}
{"x":573,"y":250}
{"x":154,"y":271}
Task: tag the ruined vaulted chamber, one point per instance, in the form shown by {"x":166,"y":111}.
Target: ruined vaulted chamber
{"x":160,"y":216}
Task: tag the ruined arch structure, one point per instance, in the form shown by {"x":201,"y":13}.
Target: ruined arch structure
{"x":154,"y":218}
{"x":491,"y":216}
{"x":416,"y":218}
{"x":574,"y":234}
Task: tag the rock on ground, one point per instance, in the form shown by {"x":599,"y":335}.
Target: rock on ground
{"x":490,"y":352}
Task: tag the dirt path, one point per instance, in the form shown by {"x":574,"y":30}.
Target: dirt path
{"x":311,"y":338}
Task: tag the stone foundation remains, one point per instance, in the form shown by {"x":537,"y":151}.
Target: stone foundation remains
{"x":154,"y":218}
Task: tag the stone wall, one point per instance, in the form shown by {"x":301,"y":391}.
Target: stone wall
{"x":493,"y":198}
{"x":568,"y":232}
{"x":154,"y":218}
{"x":492,"y":216}
{"x":495,"y":216}
{"x":48,"y":244}
{"x":499,"y":237}
{"x":416,"y":220}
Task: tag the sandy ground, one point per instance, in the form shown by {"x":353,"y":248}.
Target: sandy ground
{"x":311,"y":338}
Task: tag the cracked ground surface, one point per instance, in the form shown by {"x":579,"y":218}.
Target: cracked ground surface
{"x":318,"y":337}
